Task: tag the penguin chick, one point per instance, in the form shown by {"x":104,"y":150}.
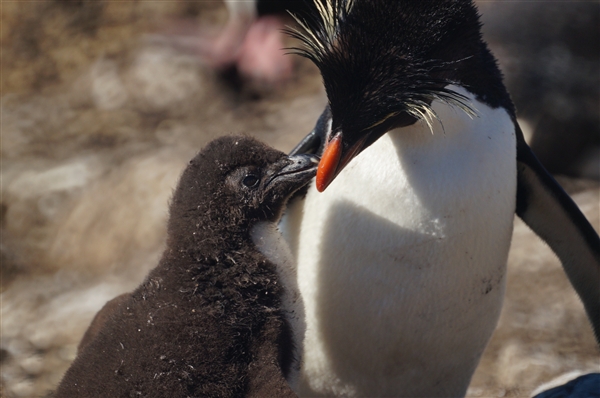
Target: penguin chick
{"x":216,"y":317}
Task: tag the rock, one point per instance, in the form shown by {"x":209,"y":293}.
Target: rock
{"x":107,"y":88}
{"x":161,"y":80}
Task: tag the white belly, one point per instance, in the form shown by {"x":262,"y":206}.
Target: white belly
{"x":402,"y":260}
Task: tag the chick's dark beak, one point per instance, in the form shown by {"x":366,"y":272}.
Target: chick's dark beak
{"x":335,"y":158}
{"x":296,"y":169}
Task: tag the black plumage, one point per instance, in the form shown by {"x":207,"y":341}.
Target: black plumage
{"x":208,"y":320}
{"x":267,"y":7}
{"x":585,"y":386}
{"x":384,"y":62}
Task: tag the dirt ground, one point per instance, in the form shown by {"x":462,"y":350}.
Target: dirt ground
{"x":98,"y":118}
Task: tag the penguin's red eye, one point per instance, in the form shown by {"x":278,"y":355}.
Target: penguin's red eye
{"x":250,"y":181}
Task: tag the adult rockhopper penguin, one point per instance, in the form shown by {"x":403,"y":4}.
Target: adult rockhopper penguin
{"x":402,"y":257}
{"x":220,"y":314}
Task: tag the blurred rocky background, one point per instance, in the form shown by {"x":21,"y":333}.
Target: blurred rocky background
{"x":550,"y":54}
{"x":100,"y":112}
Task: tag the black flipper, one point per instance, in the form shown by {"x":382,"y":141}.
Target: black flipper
{"x":313,"y":142}
{"x":586,"y":386}
{"x":553,"y":216}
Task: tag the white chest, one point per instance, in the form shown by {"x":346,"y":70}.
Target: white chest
{"x":401,"y":260}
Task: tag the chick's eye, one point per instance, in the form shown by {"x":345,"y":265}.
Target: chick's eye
{"x":250,"y":181}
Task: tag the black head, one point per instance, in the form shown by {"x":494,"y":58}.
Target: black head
{"x":233,"y":183}
{"x":383,"y":62}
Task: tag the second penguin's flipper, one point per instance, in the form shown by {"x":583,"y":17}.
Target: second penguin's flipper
{"x":547,"y":209}
{"x":584,"y":386}
{"x":313,"y":142}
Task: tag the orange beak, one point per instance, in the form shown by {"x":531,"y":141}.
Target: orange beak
{"x":332,"y":161}
{"x":329,"y":162}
